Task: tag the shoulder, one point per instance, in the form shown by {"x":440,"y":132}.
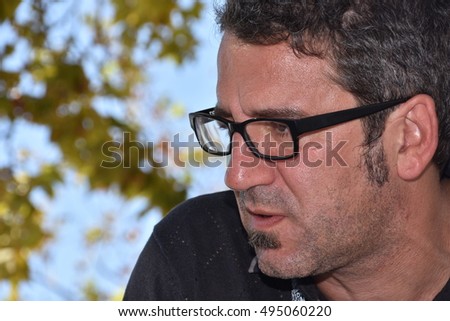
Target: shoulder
{"x":204,"y":205}
{"x":205,"y":213}
{"x":202,"y":226}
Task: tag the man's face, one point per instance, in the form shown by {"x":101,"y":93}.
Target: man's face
{"x":308,"y":215}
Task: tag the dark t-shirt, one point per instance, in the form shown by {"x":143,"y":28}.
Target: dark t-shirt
{"x":199,"y":251}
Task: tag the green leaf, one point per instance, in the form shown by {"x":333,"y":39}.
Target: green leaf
{"x":70,"y":77}
{"x":8,"y":8}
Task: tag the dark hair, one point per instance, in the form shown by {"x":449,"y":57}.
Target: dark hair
{"x":380,"y":49}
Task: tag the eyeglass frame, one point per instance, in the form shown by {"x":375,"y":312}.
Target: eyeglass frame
{"x":297,"y":127}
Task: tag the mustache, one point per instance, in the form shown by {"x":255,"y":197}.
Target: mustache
{"x":260,"y":196}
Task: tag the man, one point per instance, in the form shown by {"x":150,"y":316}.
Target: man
{"x":335,"y":115}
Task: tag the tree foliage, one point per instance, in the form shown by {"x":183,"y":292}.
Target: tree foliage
{"x":61,"y":63}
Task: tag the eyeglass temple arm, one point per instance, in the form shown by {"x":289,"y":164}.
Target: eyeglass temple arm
{"x":338,"y":117}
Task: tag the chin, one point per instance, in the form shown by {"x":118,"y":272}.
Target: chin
{"x":276,"y":272}
{"x":275,"y":265}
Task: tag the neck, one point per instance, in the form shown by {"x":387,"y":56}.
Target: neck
{"x":389,"y":282}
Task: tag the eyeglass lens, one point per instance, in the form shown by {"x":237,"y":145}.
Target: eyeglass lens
{"x":268,"y":138}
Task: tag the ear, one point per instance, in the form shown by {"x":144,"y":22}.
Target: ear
{"x":418,"y":136}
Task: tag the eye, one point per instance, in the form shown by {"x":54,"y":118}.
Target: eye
{"x":221,"y":125}
{"x":279,"y":129}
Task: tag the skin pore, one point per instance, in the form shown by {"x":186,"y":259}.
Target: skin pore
{"x":360,"y":240}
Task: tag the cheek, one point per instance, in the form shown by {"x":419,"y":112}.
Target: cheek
{"x":326,"y":169}
{"x":338,"y":148}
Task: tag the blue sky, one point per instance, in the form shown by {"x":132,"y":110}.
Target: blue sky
{"x":66,"y":263}
{"x":194,"y":86}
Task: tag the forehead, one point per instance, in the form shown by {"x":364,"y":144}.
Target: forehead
{"x":255,"y":77}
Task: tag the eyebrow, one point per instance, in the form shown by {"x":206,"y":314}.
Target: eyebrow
{"x":276,"y":112}
{"x":221,"y":112}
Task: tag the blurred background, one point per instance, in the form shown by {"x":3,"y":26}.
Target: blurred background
{"x":95,"y":143}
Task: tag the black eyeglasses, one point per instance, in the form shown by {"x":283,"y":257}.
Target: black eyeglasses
{"x":271,"y":138}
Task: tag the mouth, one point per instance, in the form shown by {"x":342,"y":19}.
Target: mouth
{"x":263,"y":220}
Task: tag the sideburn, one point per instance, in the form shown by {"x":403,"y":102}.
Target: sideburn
{"x":376,"y":164}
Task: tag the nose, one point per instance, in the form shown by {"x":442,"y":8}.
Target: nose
{"x":245,"y":170}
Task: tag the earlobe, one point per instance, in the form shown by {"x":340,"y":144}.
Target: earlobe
{"x":419,"y":136}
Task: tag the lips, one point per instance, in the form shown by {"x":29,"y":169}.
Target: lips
{"x":263,"y":220}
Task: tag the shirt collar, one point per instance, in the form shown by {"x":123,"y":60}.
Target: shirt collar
{"x":253,"y":268}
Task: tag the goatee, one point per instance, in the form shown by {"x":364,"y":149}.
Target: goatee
{"x":261,"y":240}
